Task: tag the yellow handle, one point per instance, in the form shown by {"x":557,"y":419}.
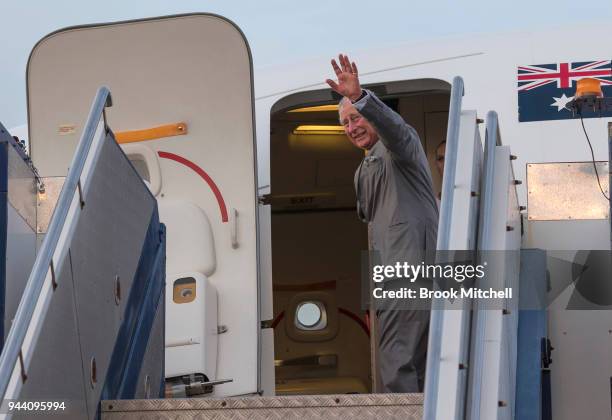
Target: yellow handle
{"x":168,"y":130}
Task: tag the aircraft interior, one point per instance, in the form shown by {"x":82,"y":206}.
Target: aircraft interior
{"x":321,"y":328}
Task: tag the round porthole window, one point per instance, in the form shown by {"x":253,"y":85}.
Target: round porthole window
{"x":309,"y":316}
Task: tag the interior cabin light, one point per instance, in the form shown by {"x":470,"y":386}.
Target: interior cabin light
{"x":319,"y":129}
{"x":588,"y":88}
{"x":320,"y":108}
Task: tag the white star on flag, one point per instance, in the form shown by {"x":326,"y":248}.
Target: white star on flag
{"x":561,"y":103}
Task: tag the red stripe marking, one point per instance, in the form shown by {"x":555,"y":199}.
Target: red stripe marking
{"x":277,"y":319}
{"x":564,"y":73}
{"x":591,"y":65}
{"x":531,"y":69}
{"x":529,"y":87}
{"x":355,"y":318}
{"x":204,"y":176}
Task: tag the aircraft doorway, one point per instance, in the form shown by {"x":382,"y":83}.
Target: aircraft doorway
{"x":321,"y":331}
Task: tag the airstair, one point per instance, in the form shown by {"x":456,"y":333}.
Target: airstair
{"x":90,"y":321}
{"x":472,"y":359}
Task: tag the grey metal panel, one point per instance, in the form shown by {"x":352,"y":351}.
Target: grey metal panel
{"x":581,"y":369}
{"x":450,"y":164}
{"x":493,"y":358}
{"x":266,"y":354}
{"x":446,"y":386}
{"x":55,"y":373}
{"x":567,"y":234}
{"x":453,"y":339}
{"x":432,"y":382}
{"x":152,"y":370}
{"x":21,"y":222}
{"x":47,"y":202}
{"x":566,"y":191}
{"x":20,"y":256}
{"x":109,"y":234}
{"x":36,"y":281}
{"x":532,"y":329}
{"x":22,"y":187}
{"x":95,"y":237}
{"x":372,"y":406}
{"x":509,"y":337}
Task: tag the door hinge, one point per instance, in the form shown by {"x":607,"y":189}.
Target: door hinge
{"x":265,"y":199}
{"x":267,"y":323}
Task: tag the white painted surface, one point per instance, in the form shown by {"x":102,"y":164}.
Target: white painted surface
{"x":151,"y":161}
{"x":581,"y":368}
{"x":191,"y":329}
{"x":169,"y":74}
{"x":189,"y":238}
{"x":454,"y":344}
{"x":494,"y":352}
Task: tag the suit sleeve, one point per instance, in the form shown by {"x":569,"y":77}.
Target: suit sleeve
{"x":398,"y":137}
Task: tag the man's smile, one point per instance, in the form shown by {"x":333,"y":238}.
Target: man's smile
{"x":359,"y":136}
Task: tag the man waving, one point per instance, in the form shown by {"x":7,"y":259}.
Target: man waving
{"x":396,"y":198}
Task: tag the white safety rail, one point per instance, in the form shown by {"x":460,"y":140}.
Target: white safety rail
{"x":471,"y":365}
{"x":492,"y":372}
{"x":446,"y":379}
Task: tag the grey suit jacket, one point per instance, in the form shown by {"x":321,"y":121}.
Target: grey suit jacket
{"x":394,"y":188}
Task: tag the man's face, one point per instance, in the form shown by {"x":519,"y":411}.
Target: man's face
{"x":359,"y":130}
{"x":440,"y":152}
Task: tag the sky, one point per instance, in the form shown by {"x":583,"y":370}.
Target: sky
{"x":281,"y":32}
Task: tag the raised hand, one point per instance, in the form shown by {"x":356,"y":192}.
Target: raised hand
{"x":348,"y":78}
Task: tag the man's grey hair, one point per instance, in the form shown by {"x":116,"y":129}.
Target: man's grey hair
{"x":343,"y":101}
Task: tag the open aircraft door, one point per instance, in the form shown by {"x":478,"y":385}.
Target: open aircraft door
{"x":182,"y":90}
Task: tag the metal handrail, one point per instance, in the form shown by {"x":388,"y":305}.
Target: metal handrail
{"x":492,"y":139}
{"x":448,"y":189}
{"x":44,"y":260}
{"x":450,"y":163}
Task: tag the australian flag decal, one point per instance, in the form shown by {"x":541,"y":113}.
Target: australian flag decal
{"x":544,"y":90}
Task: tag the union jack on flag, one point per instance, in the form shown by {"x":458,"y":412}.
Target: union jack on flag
{"x":544,"y":90}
